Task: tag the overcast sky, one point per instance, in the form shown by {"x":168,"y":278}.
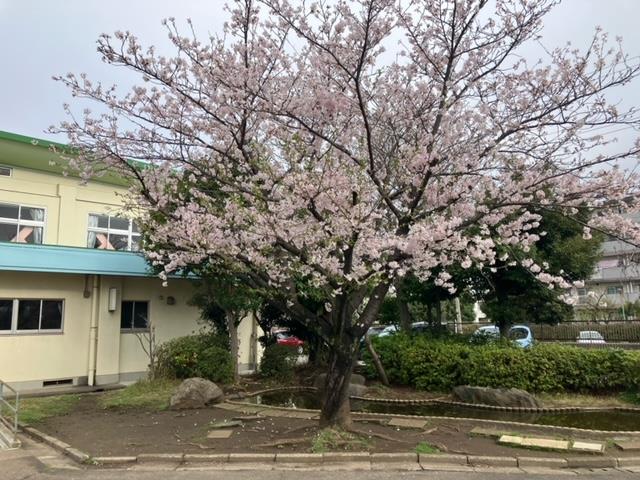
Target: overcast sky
{"x":41,"y":38}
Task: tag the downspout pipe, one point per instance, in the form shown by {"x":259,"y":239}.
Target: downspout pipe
{"x":93,"y":330}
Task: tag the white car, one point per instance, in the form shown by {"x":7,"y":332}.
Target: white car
{"x":590,"y":337}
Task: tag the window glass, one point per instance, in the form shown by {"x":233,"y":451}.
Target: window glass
{"x":28,"y":314}
{"x":119,"y":223}
{"x":99,"y":221}
{"x":118,"y":242}
{"x":29,"y":235}
{"x":134,"y":315}
{"x":30,"y":213}
{"x":51,"y":315}
{"x":8,"y":232}
{"x":6,"y":312}
{"x":135,"y":243}
{"x":140,"y":311}
{"x":9,"y":211}
{"x":111,"y":233}
{"x":126,"y":315}
{"x":134,"y":227}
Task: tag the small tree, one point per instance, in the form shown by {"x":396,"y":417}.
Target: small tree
{"x":224,"y":301}
{"x":294,"y":148}
{"x":147,"y":340}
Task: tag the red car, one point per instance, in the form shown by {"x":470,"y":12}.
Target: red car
{"x":285,"y":338}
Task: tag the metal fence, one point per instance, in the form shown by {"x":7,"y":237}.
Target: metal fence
{"x":612,"y":332}
{"x":10,"y":420}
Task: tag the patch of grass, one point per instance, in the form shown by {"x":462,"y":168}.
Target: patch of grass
{"x":331,"y":439}
{"x":149,"y":394}
{"x":583,"y":400}
{"x":631,"y":398}
{"x":34,"y":410}
{"x":424,"y":447}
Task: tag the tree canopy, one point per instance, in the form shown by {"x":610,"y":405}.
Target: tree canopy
{"x":306,"y":142}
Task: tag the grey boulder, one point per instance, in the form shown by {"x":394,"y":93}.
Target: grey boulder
{"x":195,"y":393}
{"x":500,"y":397}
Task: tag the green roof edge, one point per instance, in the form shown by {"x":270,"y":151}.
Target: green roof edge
{"x":33,"y":141}
{"x":109,"y":178}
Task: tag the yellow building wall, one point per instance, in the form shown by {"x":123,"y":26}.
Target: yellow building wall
{"x":29,"y":357}
{"x":170,"y":321}
{"x":67,"y":202}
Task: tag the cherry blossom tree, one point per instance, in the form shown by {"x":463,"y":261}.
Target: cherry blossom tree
{"x":339,"y":145}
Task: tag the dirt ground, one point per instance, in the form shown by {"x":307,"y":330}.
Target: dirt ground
{"x":102,"y":432}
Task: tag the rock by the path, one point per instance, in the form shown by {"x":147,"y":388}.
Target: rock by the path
{"x":501,"y":397}
{"x":357,"y":387}
{"x":195,"y":393}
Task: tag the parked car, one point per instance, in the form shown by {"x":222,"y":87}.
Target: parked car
{"x":375,"y":330}
{"x":388,"y":330}
{"x":520,"y":334}
{"x":590,"y":337}
{"x":285,"y":338}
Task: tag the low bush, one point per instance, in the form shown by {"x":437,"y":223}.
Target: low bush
{"x":440,"y":365}
{"x":278,"y":363}
{"x":203,"y":355}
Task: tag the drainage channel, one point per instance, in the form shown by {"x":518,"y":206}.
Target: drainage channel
{"x":607,"y":420}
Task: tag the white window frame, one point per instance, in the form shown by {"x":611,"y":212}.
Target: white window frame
{"x":135,"y":330}
{"x":26,"y":223}
{"x":14,"y":318}
{"x":115,"y":231}
{"x":8,"y":168}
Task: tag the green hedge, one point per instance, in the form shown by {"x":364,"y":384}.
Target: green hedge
{"x":205,"y":355}
{"x":278,"y":363}
{"x":440,"y":365}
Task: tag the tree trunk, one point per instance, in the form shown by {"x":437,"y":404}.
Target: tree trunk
{"x":336,"y":407}
{"x":403,"y":308}
{"x":376,"y":361}
{"x":233,"y":344}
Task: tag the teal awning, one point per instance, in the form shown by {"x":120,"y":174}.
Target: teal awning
{"x":21,"y":257}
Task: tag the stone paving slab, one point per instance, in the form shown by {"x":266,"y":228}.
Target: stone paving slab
{"x":510,"y":440}
{"x":628,"y":445}
{"x":588,"y":447}
{"x":546,"y":444}
{"x":407,"y":423}
{"x":219,"y":434}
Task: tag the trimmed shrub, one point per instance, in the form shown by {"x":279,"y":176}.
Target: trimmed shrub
{"x":204,"y":355}
{"x":278,"y":363}
{"x":440,"y":365}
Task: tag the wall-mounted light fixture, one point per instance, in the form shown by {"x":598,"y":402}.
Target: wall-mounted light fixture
{"x":171,"y":301}
{"x":113,"y":299}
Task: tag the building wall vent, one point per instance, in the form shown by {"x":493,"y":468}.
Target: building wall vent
{"x":56,"y":383}
{"x":5,"y":171}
